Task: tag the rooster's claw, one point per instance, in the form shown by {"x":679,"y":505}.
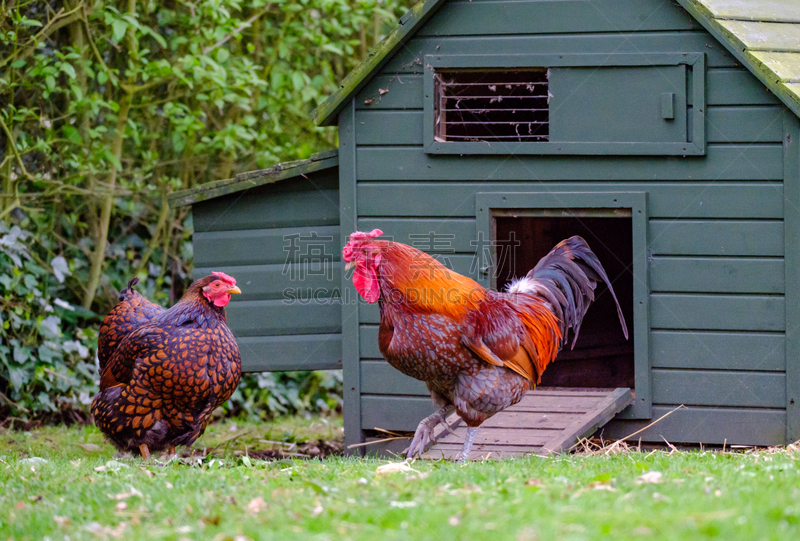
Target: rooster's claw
{"x":423,"y":436}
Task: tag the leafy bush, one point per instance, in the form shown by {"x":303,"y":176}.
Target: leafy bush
{"x":108,"y":106}
{"x":261,"y":396}
{"x":46,"y":368}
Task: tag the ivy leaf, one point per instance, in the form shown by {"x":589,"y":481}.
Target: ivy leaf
{"x":222,"y":55}
{"x":59,"y":264}
{"x":17,"y":63}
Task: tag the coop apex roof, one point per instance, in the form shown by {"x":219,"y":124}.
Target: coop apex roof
{"x":764,"y":35}
{"x":252,"y":179}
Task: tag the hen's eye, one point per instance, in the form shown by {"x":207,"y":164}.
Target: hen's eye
{"x":216,"y":284}
{"x":364,"y":251}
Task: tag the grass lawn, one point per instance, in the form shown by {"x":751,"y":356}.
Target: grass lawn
{"x":80,"y":491}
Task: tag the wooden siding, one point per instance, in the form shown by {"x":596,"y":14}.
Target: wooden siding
{"x":289,"y":314}
{"x":716,"y":231}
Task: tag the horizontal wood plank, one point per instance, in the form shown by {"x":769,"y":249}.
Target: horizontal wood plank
{"x":734,"y":426}
{"x":444,"y":236}
{"x":525,"y":437}
{"x":379,"y":377}
{"x":718,"y":350}
{"x":391,"y":92}
{"x":245,"y":210}
{"x":719,"y":388}
{"x":736,"y":86}
{"x":394,"y":412}
{"x":727,"y":124}
{"x":724,"y":86}
{"x":717,"y":312}
{"x":409,"y":59}
{"x":277,"y":317}
{"x":391,"y":127}
{"x":294,"y":352}
{"x":720,"y":238}
{"x":265,"y":246}
{"x":722,"y":162}
{"x":317,"y":280}
{"x":515,"y":17}
{"x":716,"y":275}
{"x":665,"y":200}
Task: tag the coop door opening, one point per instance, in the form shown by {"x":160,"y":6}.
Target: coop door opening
{"x":602,"y":357}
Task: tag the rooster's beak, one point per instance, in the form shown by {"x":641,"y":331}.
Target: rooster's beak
{"x":234,"y":290}
{"x":349,"y":265}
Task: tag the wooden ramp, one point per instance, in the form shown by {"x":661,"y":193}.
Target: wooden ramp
{"x":546,"y":421}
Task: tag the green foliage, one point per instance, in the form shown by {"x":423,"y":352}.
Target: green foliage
{"x":107,"y":106}
{"x":45,"y":361}
{"x":260,"y":396}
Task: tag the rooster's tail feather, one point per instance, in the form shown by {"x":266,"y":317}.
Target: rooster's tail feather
{"x":567,"y":278}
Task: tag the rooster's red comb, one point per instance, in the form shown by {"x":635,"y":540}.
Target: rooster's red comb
{"x":355,"y":237}
{"x":360,"y":235}
{"x":225,"y":278}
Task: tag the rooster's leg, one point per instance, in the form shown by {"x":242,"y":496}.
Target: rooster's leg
{"x":171,"y":451}
{"x":424,"y":433}
{"x":471,"y":431}
{"x":145,"y":451}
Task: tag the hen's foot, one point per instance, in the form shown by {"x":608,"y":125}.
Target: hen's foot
{"x":423,"y":436}
{"x":145,"y":451}
{"x":462,"y":456}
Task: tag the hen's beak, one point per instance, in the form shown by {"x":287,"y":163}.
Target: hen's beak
{"x":349,"y":265}
{"x":234,"y":290}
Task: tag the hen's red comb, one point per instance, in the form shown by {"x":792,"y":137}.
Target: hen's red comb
{"x":229,"y":279}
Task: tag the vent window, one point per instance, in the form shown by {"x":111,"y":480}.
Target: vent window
{"x":491,"y":106}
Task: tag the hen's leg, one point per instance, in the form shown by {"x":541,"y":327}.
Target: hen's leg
{"x":424,"y":433}
{"x":471,"y":431}
{"x":145,"y":451}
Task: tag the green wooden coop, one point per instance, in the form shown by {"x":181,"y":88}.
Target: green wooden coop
{"x":483,"y":132}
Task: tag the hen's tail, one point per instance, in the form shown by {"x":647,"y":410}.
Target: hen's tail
{"x":123,"y":295}
{"x":566,"y":278}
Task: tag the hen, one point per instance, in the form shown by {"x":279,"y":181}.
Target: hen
{"x":477,"y":350}
{"x":162,"y":372}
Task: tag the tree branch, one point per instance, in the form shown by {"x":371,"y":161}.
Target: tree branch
{"x":237,"y":31}
{"x":15,"y":151}
{"x":60,"y":20}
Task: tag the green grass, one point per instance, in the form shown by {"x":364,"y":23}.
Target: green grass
{"x":82,"y":492}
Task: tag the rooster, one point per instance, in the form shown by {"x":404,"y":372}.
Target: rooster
{"x":162,"y":372}
{"x":477,"y":350}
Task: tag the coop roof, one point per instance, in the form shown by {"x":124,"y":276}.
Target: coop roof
{"x":764,"y":35}
{"x":253,"y":179}
{"x":325,"y":114}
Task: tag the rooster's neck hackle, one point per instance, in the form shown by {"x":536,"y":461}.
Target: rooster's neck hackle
{"x":411,"y":277}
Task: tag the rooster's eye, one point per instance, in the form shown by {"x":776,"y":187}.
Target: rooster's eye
{"x":216,"y":284}
{"x":364,"y":251}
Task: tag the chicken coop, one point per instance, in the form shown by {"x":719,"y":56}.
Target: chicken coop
{"x":484,"y":132}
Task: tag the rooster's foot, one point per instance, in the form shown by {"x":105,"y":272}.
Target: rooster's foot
{"x":462,"y":456}
{"x":423,"y":436}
